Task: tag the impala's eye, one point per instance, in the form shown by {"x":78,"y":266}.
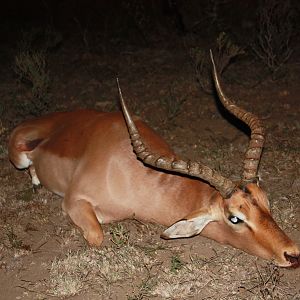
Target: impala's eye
{"x":235,"y":220}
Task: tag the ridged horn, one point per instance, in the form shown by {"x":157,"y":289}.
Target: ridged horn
{"x":257,"y":139}
{"x":196,"y":169}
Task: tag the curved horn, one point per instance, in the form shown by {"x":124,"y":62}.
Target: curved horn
{"x":195,"y":169}
{"x":253,"y":153}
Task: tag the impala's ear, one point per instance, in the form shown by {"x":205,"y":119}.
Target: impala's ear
{"x":188,"y":227}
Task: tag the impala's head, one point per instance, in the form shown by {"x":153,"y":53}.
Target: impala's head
{"x":243,"y":221}
{"x":238,"y":215}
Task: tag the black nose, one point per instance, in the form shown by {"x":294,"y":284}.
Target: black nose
{"x":293,"y":259}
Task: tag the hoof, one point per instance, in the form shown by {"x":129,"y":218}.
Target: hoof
{"x":94,"y":239}
{"x":36,"y":187}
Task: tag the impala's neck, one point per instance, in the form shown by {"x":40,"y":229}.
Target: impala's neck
{"x":178,"y":197}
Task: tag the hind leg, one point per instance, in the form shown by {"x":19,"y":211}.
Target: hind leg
{"x":82,"y":214}
{"x":35,"y":180}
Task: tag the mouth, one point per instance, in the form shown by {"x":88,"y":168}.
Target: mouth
{"x":292,"y":259}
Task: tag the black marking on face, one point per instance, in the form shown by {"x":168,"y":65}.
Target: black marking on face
{"x":246,"y":190}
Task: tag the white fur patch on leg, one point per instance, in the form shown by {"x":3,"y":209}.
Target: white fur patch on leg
{"x":23,"y":161}
{"x":34,"y":178}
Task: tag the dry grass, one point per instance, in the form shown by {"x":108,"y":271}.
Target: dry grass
{"x":96,"y":269}
{"x":104,"y":270}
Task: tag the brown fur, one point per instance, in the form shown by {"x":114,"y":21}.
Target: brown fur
{"x":86,"y":157}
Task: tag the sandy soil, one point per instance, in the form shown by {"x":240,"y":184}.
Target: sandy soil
{"x":42,"y":256}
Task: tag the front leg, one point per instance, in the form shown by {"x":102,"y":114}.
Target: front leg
{"x":83,"y":215}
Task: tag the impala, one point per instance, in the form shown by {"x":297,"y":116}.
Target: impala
{"x":86,"y":157}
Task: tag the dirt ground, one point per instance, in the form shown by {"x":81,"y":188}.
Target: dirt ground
{"x":42,"y":255}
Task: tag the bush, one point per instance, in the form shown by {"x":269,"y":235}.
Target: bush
{"x":31,"y":67}
{"x":225,"y":51}
{"x":274,"y":30}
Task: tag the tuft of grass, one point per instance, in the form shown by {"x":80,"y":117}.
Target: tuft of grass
{"x":181,"y":284}
{"x":145,"y":288}
{"x":15,"y":242}
{"x":226,"y":50}
{"x":176,"y":264}
{"x":13,"y":239}
{"x":68,"y":275}
{"x":119,"y":235}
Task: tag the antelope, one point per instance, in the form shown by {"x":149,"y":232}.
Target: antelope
{"x":111,"y":166}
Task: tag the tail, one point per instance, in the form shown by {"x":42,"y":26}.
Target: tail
{"x":22,"y":142}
